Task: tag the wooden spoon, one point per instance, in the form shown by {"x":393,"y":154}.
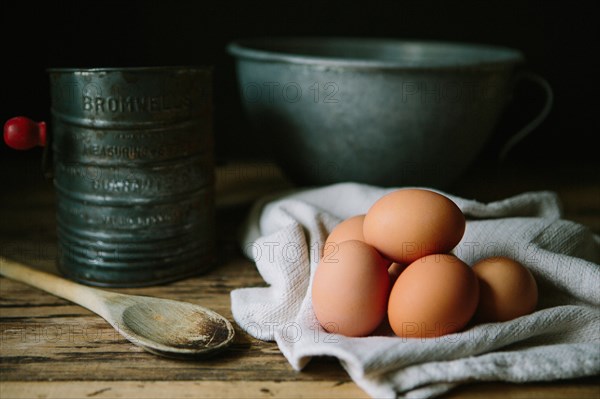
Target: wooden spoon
{"x":161,"y":326}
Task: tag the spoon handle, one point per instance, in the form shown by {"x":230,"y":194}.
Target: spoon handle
{"x":88,"y":297}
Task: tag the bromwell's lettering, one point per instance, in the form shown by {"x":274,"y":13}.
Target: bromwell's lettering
{"x":114,"y":104}
{"x":149,"y":220}
{"x":172,"y":183}
{"x":126,"y":186}
{"x":132,"y":153}
{"x":173,"y":215}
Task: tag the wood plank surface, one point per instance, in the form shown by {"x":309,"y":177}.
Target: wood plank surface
{"x":268,"y":389}
{"x":50,"y":348}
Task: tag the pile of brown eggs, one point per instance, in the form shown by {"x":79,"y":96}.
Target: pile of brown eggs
{"x":394,"y":265}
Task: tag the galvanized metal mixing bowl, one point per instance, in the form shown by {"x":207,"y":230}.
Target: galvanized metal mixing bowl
{"x":383,"y":112}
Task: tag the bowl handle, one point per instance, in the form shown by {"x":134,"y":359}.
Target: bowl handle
{"x":535,"y":122}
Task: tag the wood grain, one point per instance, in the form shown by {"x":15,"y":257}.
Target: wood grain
{"x":181,"y":389}
{"x":266,"y":389}
{"x":50,"y":348}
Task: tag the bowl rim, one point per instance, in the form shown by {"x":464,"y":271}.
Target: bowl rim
{"x":149,"y":68}
{"x":257,"y":49}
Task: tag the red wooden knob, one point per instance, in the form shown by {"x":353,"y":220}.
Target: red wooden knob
{"x":22,"y":133}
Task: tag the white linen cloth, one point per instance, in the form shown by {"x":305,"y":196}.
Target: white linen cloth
{"x":561,"y":339}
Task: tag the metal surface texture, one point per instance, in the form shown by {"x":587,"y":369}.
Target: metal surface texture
{"x":383,"y":112}
{"x":133,"y":172}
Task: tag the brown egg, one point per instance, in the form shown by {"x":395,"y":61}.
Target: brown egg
{"x":349,"y":229}
{"x":350,"y":289}
{"x":507,"y":289}
{"x":408,"y":224}
{"x":434,"y":296}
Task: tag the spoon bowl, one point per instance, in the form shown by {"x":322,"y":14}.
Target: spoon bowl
{"x":161,"y":326}
{"x":174,"y":329}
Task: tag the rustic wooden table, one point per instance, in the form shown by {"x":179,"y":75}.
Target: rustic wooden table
{"x":50,"y":348}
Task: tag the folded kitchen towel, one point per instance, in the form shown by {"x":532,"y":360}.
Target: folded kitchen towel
{"x":561,"y":339}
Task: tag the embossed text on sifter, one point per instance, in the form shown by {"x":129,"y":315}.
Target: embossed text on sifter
{"x":133,"y":173}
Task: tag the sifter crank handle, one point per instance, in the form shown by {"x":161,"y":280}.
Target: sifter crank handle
{"x":22,"y":133}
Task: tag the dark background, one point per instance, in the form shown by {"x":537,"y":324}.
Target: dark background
{"x":557,"y":38}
